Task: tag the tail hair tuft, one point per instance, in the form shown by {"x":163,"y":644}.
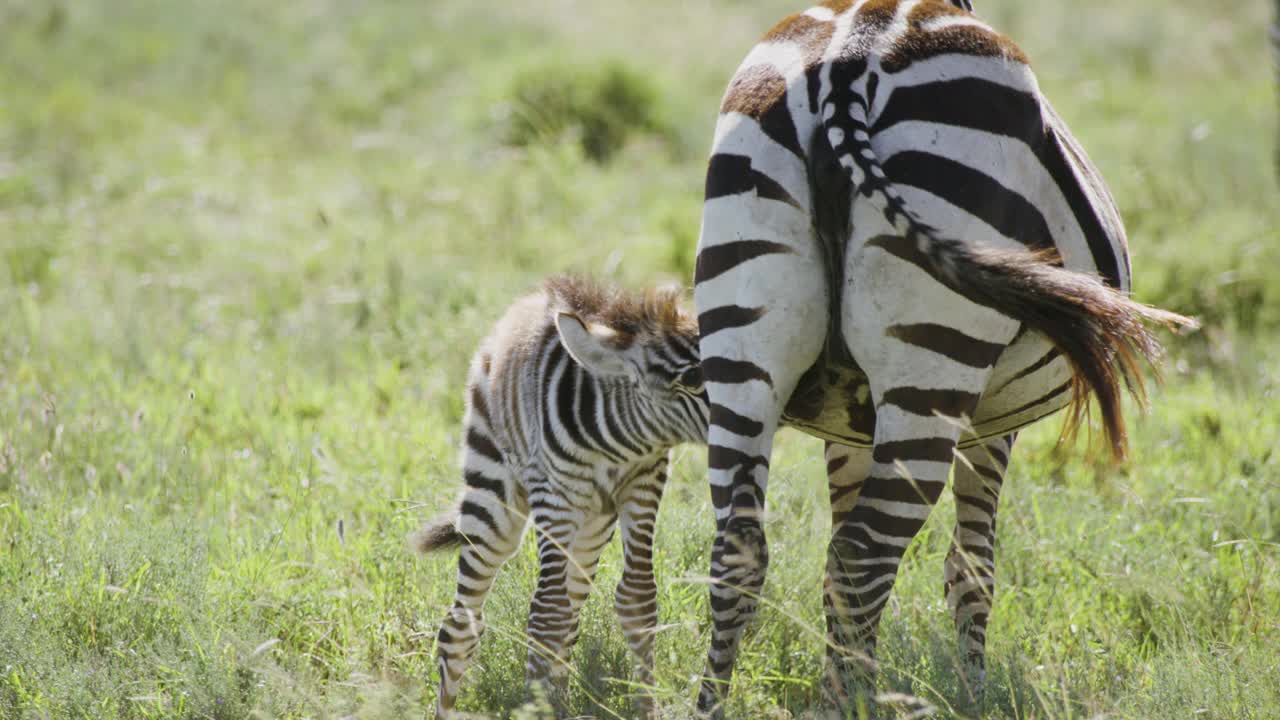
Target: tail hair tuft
{"x":440,"y":533}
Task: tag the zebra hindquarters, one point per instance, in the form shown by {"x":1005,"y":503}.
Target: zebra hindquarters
{"x":761,"y":295}
{"x":970,"y":568}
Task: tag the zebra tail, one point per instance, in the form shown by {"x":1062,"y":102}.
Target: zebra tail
{"x":1101,"y":331}
{"x":440,"y":533}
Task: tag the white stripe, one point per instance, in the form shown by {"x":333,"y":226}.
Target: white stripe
{"x":943,"y":22}
{"x":896,"y":509}
{"x":897,"y":28}
{"x":883,"y":539}
{"x":953,"y":66}
{"x":786,"y":57}
{"x":916,"y":470}
{"x":823,"y":14}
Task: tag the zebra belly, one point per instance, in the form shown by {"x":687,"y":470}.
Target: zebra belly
{"x":1028,"y":382}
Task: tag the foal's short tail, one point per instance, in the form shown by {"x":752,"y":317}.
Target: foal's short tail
{"x":440,"y":533}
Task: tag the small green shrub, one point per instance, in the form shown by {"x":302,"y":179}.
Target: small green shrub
{"x":603,"y":104}
{"x":29,"y":260}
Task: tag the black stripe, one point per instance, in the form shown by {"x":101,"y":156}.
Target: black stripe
{"x":625,"y":412}
{"x":901,"y":490}
{"x":839,"y":493}
{"x":478,"y":481}
{"x":716,"y":260}
{"x":873,"y":83}
{"x":722,"y":416}
{"x":466,"y":569}
{"x":480,"y":444}
{"x":566,"y":396}
{"x":1001,"y":454}
{"x":813,"y":84}
{"x":479,"y":405}
{"x":779,"y":126}
{"x":898,"y":247}
{"x":733,"y":175}
{"x":1064,"y":387}
{"x":647,"y":423}
{"x":474,"y":510}
{"x":836,"y":463}
{"x":935,"y":449}
{"x":918,"y":401}
{"x":989,"y":473}
{"x":966,"y":102}
{"x":978,"y":527}
{"x":619,"y":434}
{"x":727,"y":317}
{"x":1044,"y":360}
{"x":555,"y":359}
{"x":586,"y":416}
{"x":883,"y":522}
{"x":1056,"y":162}
{"x":982,"y":505}
{"x":720,"y":457}
{"x":952,"y":343}
{"x":973,"y":191}
{"x":723,"y":370}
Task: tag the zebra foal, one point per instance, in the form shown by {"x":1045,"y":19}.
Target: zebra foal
{"x":898,"y":232}
{"x":573,"y":404}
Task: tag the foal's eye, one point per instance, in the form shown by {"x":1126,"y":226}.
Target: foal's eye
{"x":691,"y":378}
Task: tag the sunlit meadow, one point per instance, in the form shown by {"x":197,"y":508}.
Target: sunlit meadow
{"x":246,"y":250}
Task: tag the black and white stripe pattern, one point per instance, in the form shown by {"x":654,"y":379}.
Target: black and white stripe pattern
{"x":573,"y":404}
{"x":882,"y":176}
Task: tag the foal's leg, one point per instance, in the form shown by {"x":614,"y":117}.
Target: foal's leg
{"x":636,"y":599}
{"x":492,"y":521}
{"x":569,"y":546}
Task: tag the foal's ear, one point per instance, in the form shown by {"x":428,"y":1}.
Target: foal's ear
{"x":592,"y":345}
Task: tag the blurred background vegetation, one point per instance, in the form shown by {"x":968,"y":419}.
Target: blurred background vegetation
{"x":246,"y":249}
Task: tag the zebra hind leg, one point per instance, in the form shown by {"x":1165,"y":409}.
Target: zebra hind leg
{"x":970,"y":565}
{"x":568,"y":554}
{"x":636,"y":598}
{"x":910,"y":464}
{"x":847,"y":469}
{"x":491,"y":528}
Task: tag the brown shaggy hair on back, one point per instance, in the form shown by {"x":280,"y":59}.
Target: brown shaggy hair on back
{"x":655,"y":310}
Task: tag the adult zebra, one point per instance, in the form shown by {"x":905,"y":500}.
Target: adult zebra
{"x":828,"y":300}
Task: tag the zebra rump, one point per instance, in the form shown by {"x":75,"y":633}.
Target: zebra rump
{"x":1102,"y":332}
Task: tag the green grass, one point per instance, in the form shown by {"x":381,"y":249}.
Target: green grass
{"x":247,"y":248}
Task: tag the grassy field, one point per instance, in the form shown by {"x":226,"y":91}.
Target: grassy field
{"x":246,"y":249}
